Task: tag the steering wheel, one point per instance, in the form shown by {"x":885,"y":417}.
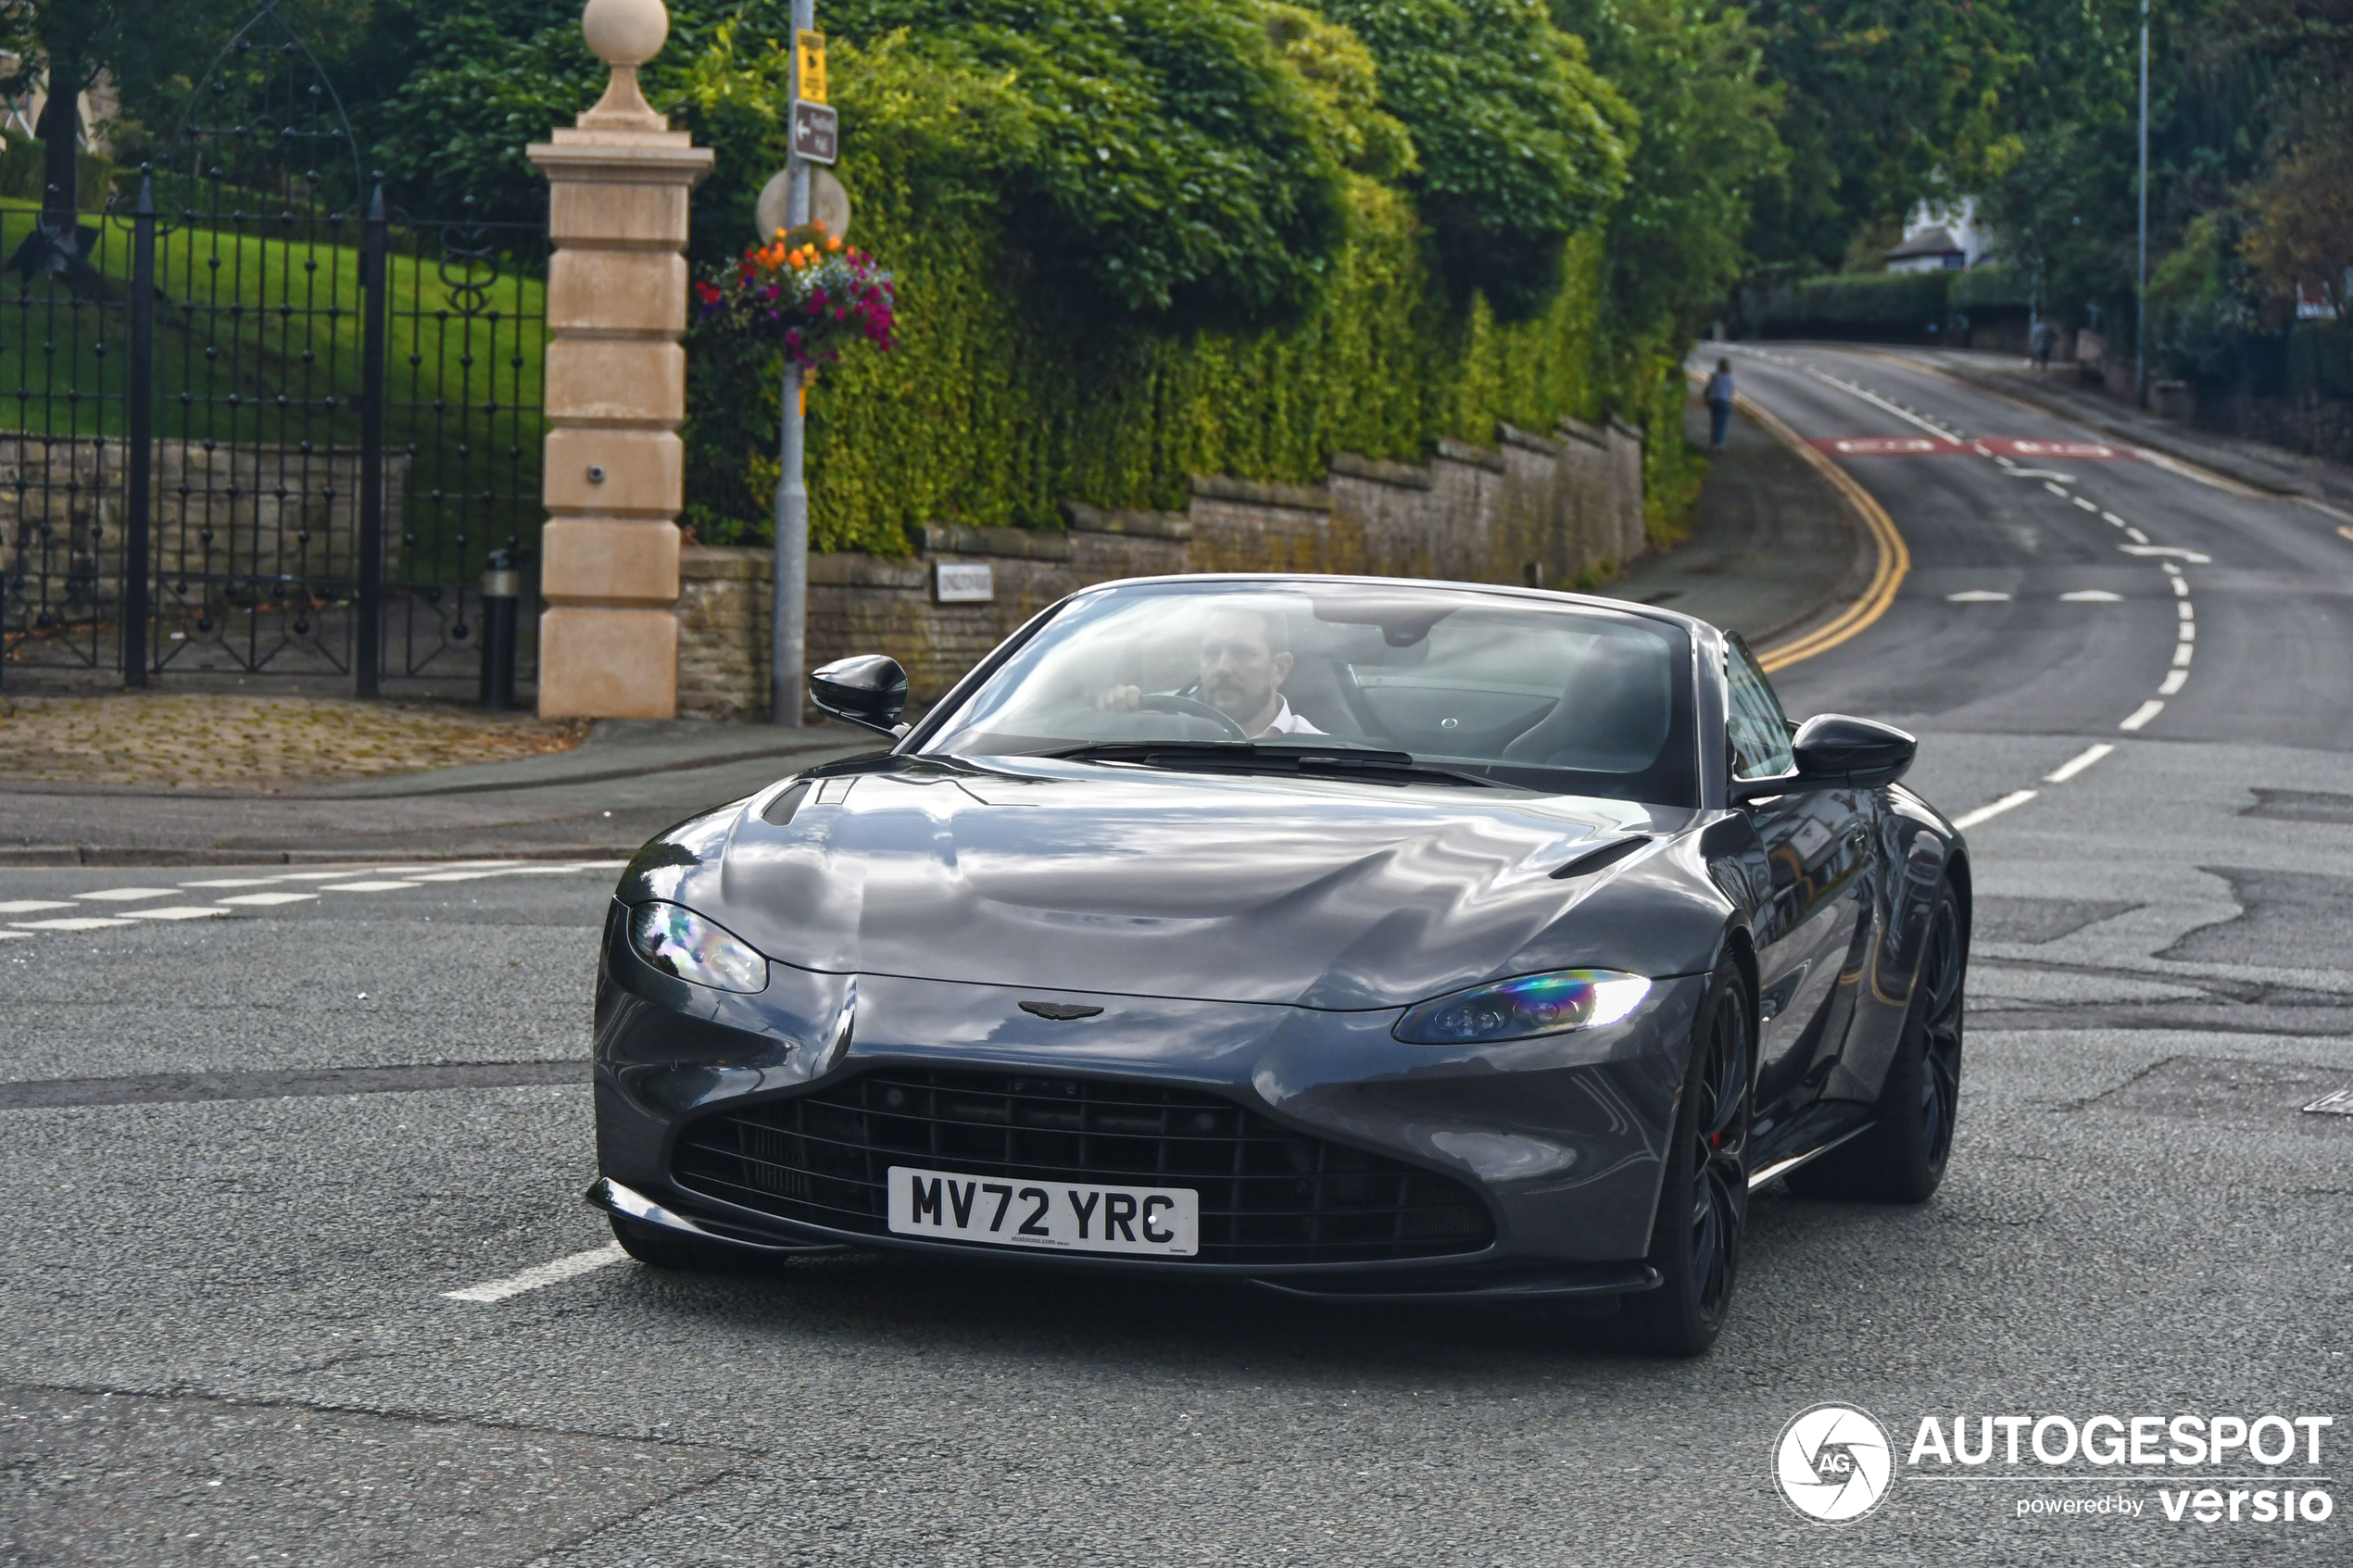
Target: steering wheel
{"x":1164,"y":702}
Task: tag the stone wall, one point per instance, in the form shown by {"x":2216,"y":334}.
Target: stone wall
{"x":259,"y":514}
{"x":1559,"y":511}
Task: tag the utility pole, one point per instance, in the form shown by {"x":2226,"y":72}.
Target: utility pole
{"x":789,"y":616}
{"x":2140,"y":288}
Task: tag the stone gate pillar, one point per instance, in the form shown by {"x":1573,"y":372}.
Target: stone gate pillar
{"x":616,"y":386}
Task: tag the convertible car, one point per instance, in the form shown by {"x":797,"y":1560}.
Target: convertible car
{"x":1366,"y":940}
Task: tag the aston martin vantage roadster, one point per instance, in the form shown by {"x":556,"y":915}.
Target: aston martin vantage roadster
{"x":1361,"y":939}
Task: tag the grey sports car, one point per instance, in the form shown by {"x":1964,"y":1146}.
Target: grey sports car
{"x":1362,"y":939}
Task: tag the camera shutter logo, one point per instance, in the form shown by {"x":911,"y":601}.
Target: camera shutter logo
{"x":1834,"y":1463}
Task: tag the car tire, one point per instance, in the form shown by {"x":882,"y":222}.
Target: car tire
{"x":1902,"y":1158}
{"x":666,"y":1249}
{"x":1703,"y":1200}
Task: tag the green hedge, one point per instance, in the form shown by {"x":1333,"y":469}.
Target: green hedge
{"x":1007,"y":398}
{"x":1853,"y":302}
{"x":1992,"y":288}
{"x":2320,"y":359}
{"x":24,"y":174}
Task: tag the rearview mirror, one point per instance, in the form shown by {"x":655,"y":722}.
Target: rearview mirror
{"x":1837,"y":752}
{"x":866,"y":689}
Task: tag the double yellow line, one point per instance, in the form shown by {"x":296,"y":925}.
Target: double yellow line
{"x":1891,"y":560}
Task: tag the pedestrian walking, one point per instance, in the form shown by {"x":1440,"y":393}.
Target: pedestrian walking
{"x":2043,"y":343}
{"x":1720,"y":404}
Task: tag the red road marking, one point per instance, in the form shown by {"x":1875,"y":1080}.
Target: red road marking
{"x":2009,"y":446}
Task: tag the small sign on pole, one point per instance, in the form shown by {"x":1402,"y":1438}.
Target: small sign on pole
{"x":816,"y":132}
{"x":811,"y":46}
{"x":964,"y":582}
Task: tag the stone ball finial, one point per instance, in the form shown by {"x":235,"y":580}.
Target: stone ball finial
{"x":624,"y":32}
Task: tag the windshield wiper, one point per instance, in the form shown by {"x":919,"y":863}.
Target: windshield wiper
{"x":1249,"y":757}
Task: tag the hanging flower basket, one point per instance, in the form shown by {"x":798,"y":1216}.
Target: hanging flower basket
{"x":805,"y":289}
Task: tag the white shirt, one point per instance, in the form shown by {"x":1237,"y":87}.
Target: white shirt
{"x":1286,"y":722}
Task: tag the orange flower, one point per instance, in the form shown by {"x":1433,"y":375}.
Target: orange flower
{"x":833,"y":244}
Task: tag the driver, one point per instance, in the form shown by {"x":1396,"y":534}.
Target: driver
{"x":1245,"y":654}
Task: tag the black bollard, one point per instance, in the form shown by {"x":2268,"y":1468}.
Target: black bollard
{"x":500,"y":586}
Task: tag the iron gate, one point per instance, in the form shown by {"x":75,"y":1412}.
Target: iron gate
{"x":260,"y":423}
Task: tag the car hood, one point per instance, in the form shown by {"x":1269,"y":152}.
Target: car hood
{"x":1085,"y":877}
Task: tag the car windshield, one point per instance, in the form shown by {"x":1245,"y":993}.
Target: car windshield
{"x":1562,"y":697}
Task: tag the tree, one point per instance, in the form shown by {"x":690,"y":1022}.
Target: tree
{"x":1521,"y":143}
{"x":1693,"y":71}
{"x":144,"y":47}
{"x":1888,"y":102}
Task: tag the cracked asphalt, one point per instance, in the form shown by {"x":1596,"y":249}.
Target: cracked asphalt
{"x":250,"y":1155}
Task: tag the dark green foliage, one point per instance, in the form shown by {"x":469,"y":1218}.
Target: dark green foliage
{"x":1889,"y":101}
{"x":1521,"y":143}
{"x":23,"y":176}
{"x":1173,"y":165}
{"x":1858,"y":304}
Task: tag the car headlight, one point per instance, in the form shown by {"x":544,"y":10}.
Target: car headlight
{"x":677,"y":941}
{"x":1518,"y":1010}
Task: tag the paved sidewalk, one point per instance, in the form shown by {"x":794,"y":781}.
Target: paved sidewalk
{"x":2256,"y":464}
{"x":1772,"y":547}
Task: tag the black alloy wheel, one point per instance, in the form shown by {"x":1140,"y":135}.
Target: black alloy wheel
{"x":1702,"y":1202}
{"x":1902,"y":1158}
{"x":1942,"y":972}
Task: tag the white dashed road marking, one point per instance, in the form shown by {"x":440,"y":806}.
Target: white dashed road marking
{"x":2090,"y":597}
{"x":545,"y":1274}
{"x":349,"y":879}
{"x":2078,"y":762}
{"x":2142,"y":714}
{"x":1971,"y":819}
{"x":1976,"y":597}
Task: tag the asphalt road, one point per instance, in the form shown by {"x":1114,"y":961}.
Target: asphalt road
{"x":251,"y":1155}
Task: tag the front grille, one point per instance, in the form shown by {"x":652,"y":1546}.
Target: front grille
{"x":1267,"y":1194}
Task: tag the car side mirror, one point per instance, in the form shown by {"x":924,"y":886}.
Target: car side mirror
{"x":1837,"y":752}
{"x":866,"y":689}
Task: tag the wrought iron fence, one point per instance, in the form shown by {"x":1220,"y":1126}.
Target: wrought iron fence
{"x":256,"y":421}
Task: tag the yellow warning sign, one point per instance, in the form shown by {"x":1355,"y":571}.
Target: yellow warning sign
{"x":812,"y":49}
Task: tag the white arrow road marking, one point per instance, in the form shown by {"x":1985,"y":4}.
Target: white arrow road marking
{"x":2077,"y":764}
{"x":545,"y":1274}
{"x":1986,"y":812}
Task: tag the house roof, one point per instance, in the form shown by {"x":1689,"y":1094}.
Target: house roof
{"x":1935,"y":240}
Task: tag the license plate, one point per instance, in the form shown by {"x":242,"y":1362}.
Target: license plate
{"x":1057,"y":1216}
